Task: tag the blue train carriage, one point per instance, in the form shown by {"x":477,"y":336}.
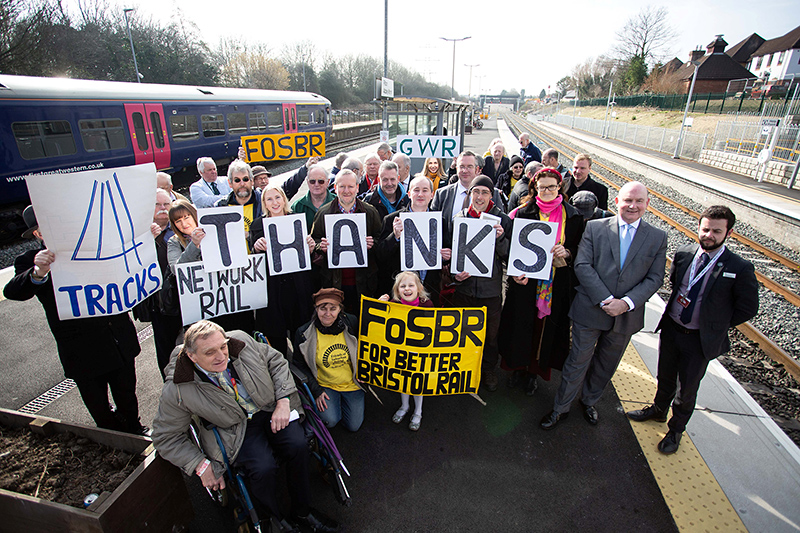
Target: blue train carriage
{"x":54,"y":125}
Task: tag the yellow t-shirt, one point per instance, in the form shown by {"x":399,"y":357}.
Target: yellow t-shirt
{"x":334,"y":369}
{"x":248,"y":221}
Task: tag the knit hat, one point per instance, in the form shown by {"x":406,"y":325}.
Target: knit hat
{"x":330,"y":295}
{"x":482,"y":181}
{"x":585,"y":202}
{"x":516,"y":159}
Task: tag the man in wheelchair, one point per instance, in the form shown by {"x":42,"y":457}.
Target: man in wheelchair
{"x":245,"y":389}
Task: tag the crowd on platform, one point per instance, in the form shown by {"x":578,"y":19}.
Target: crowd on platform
{"x":579,"y":321}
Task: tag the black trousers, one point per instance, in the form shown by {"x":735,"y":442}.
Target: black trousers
{"x":166,"y":329}
{"x":494,"y":308}
{"x":680,"y":357}
{"x":260,"y":454}
{"x":122,"y":382}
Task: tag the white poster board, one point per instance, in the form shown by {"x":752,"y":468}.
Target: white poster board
{"x":205,"y":295}
{"x":347,"y":240}
{"x":225,"y":245}
{"x":97,"y":223}
{"x":287,"y":248}
{"x":531,"y":242}
{"x":473,"y":247}
{"x":421,"y":241}
{"x":429,"y":146}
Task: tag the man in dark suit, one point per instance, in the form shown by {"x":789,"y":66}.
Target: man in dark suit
{"x":620,"y":265}
{"x":96,"y":352}
{"x":713,"y":289}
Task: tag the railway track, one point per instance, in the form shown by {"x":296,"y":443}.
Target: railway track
{"x":773,"y":350}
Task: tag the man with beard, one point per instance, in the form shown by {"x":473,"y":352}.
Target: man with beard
{"x":713,"y":290}
{"x":240,"y":180}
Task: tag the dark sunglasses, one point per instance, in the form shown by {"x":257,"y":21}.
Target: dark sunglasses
{"x":312,"y":182}
{"x":237,"y":180}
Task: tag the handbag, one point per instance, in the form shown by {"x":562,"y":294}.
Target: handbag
{"x":169,"y":300}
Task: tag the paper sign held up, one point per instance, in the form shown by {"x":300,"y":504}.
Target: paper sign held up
{"x":347,"y":240}
{"x":421,"y":241}
{"x":473,"y":247}
{"x":531,"y":242}
{"x":224,"y":245}
{"x":287,"y":249}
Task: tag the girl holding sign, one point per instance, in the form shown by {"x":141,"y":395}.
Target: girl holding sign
{"x":408,"y":290}
{"x":534,"y":328}
{"x":288,"y":295}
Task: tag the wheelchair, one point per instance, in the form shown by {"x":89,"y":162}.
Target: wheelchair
{"x":321,"y":447}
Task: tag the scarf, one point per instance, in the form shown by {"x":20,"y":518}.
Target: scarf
{"x":412,"y":303}
{"x":475,"y":214}
{"x":335,"y":328}
{"x":551,"y":211}
{"x":400,"y":194}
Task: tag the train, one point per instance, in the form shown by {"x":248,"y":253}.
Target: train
{"x":59,"y":125}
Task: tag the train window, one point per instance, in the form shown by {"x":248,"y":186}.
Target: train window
{"x":36,"y":140}
{"x":184,"y":127}
{"x":102,"y":134}
{"x":237,"y":125}
{"x":303,"y":117}
{"x":258,"y":122}
{"x":213,"y":125}
{"x":139,"y":129}
{"x":274,"y":120}
{"x":158,"y":131}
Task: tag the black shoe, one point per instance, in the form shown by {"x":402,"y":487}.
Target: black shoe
{"x":515,"y":378}
{"x":318,"y":522}
{"x":590,"y":414}
{"x":651,"y":412}
{"x":670,"y":443}
{"x":552,"y":419}
{"x":531,"y":384}
{"x":283,"y":526}
{"x":489,"y":380}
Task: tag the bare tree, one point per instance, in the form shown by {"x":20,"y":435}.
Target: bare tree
{"x":647,"y":35}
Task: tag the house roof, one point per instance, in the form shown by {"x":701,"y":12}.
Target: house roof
{"x":714,"y":67}
{"x":672,"y":65}
{"x":779,"y":44}
{"x":743,"y":50}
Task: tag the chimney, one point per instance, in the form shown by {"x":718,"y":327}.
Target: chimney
{"x":694,"y":55}
{"x":717,"y":46}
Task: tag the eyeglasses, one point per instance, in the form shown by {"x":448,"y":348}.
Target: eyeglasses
{"x":312,"y":182}
{"x":549,"y":188}
{"x":517,"y":167}
{"x":244,"y":179}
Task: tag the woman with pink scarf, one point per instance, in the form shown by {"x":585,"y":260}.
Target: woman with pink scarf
{"x":534,"y":328}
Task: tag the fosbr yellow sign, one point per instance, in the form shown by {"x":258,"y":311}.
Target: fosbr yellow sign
{"x":284,"y":147}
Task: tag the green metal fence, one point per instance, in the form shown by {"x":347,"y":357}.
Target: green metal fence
{"x":719,"y":103}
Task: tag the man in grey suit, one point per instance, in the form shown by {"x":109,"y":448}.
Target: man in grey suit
{"x":620,"y":265}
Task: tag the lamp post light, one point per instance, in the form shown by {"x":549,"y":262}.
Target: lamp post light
{"x":469,"y":95}
{"x":453,"y":76}
{"x":608,"y":105}
{"x":128,"y":26}
{"x":677,"y":155}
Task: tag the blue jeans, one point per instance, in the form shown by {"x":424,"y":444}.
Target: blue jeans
{"x":345,"y":406}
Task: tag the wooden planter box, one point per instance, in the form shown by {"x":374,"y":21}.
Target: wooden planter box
{"x":153,"y":498}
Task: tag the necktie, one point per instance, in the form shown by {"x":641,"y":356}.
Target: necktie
{"x":214,"y":188}
{"x":224,"y":383}
{"x":686,"y":314}
{"x":625,"y":243}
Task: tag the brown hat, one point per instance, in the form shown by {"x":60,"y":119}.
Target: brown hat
{"x":330,"y":295}
{"x":258,"y":170}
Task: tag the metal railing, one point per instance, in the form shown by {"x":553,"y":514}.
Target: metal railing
{"x":749,"y":138}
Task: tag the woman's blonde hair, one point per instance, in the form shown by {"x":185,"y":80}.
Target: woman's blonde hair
{"x":423,"y":294}
{"x":286,"y":208}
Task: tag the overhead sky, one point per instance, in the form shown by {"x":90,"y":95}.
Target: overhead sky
{"x":518,"y":44}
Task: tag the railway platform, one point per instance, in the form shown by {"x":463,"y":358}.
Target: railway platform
{"x":476,"y":467}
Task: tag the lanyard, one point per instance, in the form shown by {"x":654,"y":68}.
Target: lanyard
{"x":694,"y":279}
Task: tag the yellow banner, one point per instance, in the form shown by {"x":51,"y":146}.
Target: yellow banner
{"x":420,"y":350}
{"x":287,"y":146}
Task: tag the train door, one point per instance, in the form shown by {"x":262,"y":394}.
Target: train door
{"x":289,"y":118}
{"x":148,"y":134}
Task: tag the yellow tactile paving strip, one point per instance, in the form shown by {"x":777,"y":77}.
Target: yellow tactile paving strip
{"x":694,"y":497}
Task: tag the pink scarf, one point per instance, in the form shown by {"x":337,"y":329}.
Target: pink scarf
{"x":555,"y":214}
{"x":412,"y":303}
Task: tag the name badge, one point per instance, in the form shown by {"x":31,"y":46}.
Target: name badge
{"x":683,"y":301}
{"x":729,"y":275}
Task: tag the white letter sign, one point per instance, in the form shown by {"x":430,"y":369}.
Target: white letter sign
{"x":205,"y":295}
{"x":97,"y":223}
{"x":531,"y":242}
{"x":347,"y":245}
{"x":421,"y":241}
{"x":287,"y":249}
{"x":473,"y":247}
{"x":224,"y":245}
{"x":428,"y":146}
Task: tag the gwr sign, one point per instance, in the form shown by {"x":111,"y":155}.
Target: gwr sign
{"x":284,"y":147}
{"x":428,"y":146}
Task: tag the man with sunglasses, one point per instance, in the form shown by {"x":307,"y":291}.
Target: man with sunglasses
{"x":240,"y":180}
{"x":317,"y":195}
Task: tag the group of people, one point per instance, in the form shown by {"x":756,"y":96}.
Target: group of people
{"x":579,"y":321}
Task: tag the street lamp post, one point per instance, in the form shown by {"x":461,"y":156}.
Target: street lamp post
{"x":128,"y":26}
{"x":608,"y":104}
{"x":677,"y":155}
{"x":453,"y":76}
{"x":469,"y":95}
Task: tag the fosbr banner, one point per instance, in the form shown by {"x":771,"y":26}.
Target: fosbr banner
{"x":97,"y":223}
{"x":283,"y":147}
{"x":420,"y":350}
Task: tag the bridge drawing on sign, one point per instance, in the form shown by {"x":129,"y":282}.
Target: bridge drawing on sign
{"x":107,"y":206}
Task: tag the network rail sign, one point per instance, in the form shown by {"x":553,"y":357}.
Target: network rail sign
{"x":284,"y":147}
{"x":428,"y":146}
